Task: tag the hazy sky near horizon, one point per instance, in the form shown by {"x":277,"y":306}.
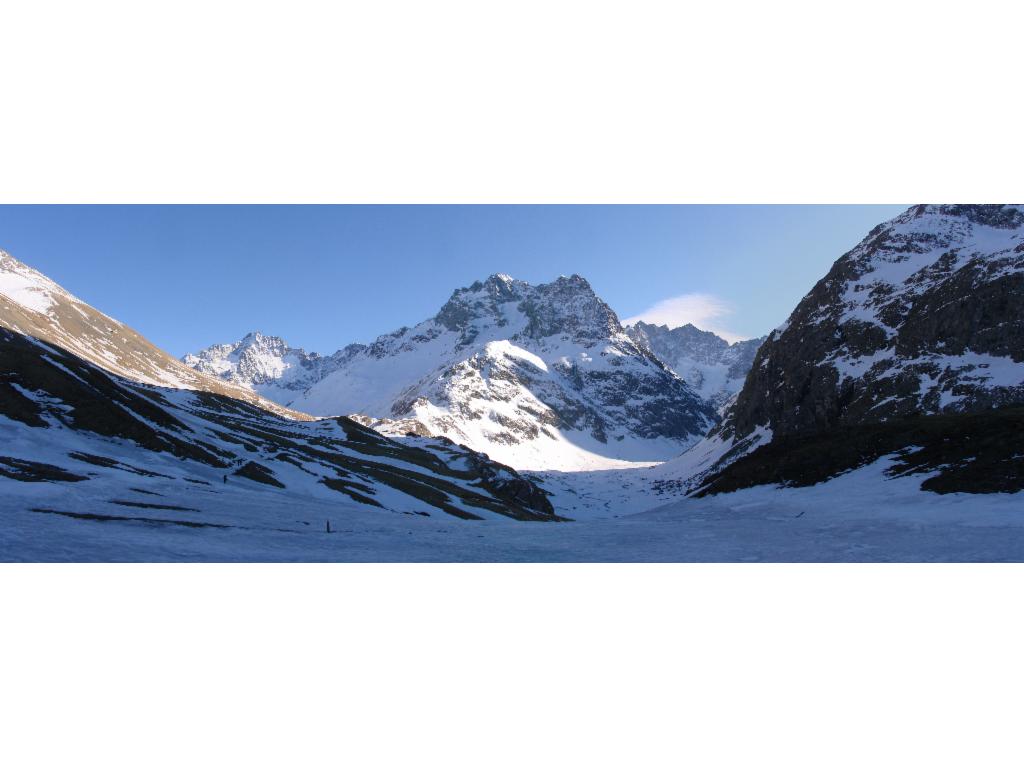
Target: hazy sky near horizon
{"x":325,"y":276}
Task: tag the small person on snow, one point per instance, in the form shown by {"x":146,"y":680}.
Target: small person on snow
{"x":225,"y":479}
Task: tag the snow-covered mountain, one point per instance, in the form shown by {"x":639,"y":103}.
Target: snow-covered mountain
{"x":34,"y":305}
{"x":95,"y":420}
{"x":267,"y":365}
{"x":537,"y":377}
{"x":911,"y":342}
{"x":76,"y":440}
{"x":711,"y":365}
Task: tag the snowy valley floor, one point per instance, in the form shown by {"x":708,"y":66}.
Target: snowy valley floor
{"x":861,"y":516}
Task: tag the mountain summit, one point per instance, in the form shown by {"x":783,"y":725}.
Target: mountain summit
{"x":711,"y":365}
{"x":266,"y":365}
{"x":567,"y":307}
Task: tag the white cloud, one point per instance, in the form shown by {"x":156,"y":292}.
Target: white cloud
{"x":701,"y":309}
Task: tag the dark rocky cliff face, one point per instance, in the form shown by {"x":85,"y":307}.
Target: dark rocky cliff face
{"x":925,"y":315}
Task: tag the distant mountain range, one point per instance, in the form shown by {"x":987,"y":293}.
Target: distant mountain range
{"x":267,"y":365}
{"x":541,"y":377}
{"x":712,"y":366}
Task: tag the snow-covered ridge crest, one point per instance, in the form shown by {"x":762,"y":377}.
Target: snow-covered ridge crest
{"x":267,"y":365}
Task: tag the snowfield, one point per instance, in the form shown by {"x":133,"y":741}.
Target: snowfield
{"x":860,"y":517}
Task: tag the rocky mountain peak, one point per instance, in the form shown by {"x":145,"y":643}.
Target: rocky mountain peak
{"x":264,"y":364}
{"x":711,"y":365}
{"x":995,"y":216}
{"x":275,"y":345}
{"x":698,"y":344}
{"x":500,"y":281}
{"x":481,"y":303}
{"x":567,"y":306}
{"x":540,"y":375}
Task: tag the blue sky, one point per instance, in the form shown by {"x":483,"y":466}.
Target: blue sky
{"x":325,"y":276}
